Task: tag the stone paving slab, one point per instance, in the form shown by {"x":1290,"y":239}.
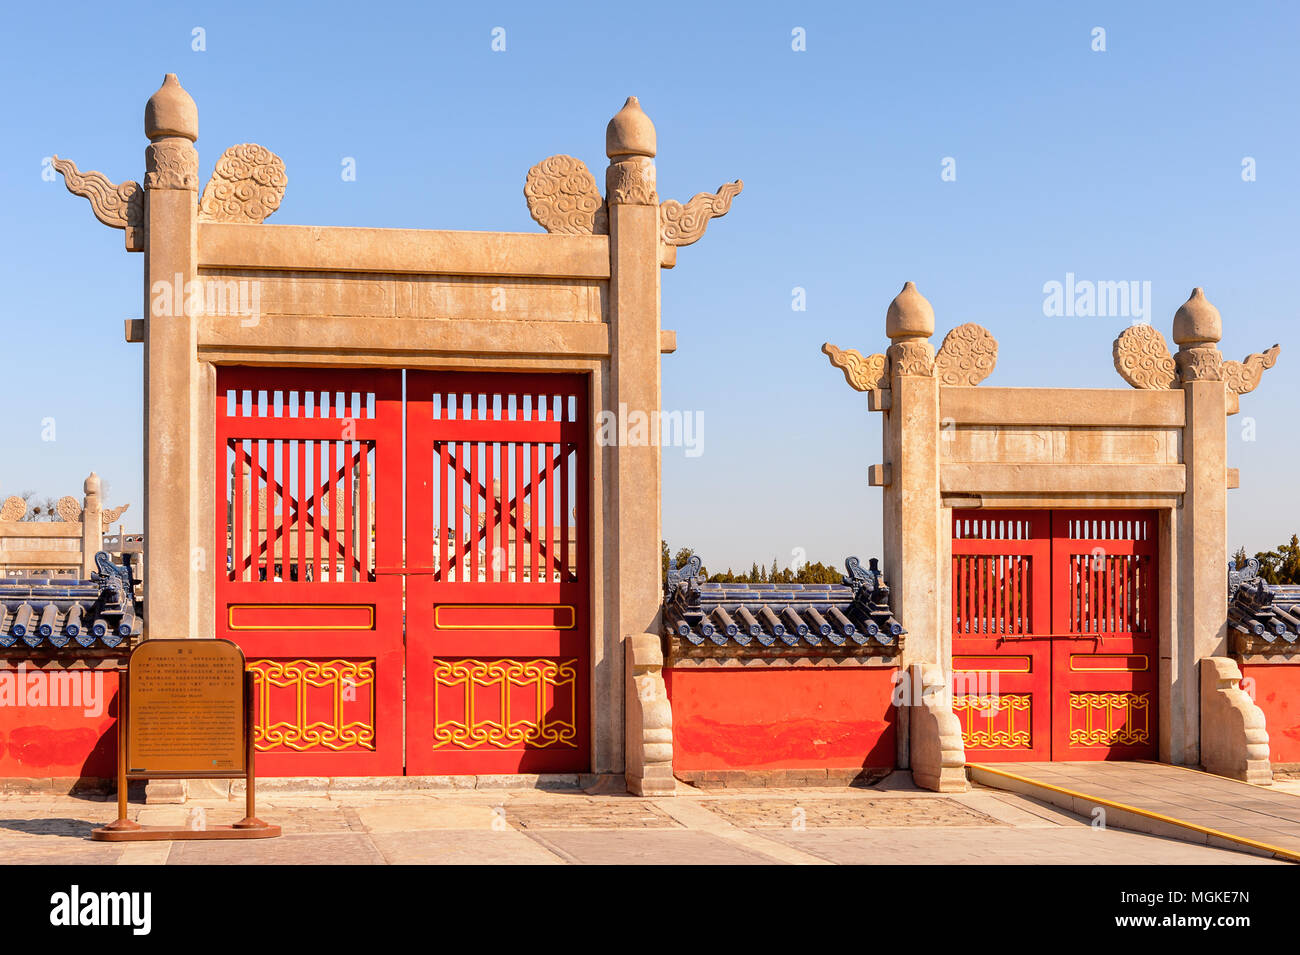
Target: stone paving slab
{"x":459,"y":847}
{"x":968,"y":846}
{"x":317,"y":849}
{"x":820,"y":812}
{"x":649,"y":848}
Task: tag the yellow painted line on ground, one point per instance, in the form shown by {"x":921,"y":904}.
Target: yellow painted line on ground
{"x":1202,"y":772}
{"x":1288,"y":854}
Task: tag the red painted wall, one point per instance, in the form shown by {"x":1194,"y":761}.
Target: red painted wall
{"x":1277,"y":692}
{"x":44,"y":736}
{"x":787,"y":718}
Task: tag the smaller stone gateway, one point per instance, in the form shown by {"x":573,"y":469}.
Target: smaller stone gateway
{"x":1066,"y":547}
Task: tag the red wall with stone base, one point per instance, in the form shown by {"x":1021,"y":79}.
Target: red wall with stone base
{"x":781,"y":718}
{"x":45,"y":742}
{"x":1276,"y":690}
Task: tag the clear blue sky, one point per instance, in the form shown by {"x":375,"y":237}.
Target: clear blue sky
{"x":1116,"y":165}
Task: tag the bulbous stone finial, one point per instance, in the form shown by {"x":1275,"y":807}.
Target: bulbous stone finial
{"x":171,"y":112}
{"x":630,"y":132}
{"x":910,"y":315}
{"x":91,"y":484}
{"x":1197,"y":322}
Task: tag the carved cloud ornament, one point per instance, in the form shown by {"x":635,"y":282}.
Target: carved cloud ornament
{"x":967,"y":356}
{"x":683,"y":224}
{"x":110,"y":515}
{"x":1142,"y":359}
{"x":563,"y":197}
{"x":68,"y":509}
{"x":120,"y":206}
{"x":247,"y":185}
{"x":868,"y":373}
{"x":1243,"y":376}
{"x":13,"y":509}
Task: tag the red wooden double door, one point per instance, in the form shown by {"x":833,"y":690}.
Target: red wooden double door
{"x":405,"y":567}
{"x":1054,"y":634}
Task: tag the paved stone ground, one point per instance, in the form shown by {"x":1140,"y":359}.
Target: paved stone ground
{"x":890,"y":823}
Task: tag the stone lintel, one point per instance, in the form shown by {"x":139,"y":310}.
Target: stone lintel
{"x":274,"y":335}
{"x":228,"y":245}
{"x":1091,"y":407}
{"x":982,"y":479}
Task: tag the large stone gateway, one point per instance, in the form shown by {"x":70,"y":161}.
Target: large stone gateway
{"x":370,"y":457}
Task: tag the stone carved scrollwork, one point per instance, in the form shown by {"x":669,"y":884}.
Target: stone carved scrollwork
{"x":862,"y":373}
{"x":631,"y":182}
{"x":1243,"y":376}
{"x":1199,"y":363}
{"x":111,"y":515}
{"x":118,"y":205}
{"x":1142,"y":358}
{"x":68,"y":509}
{"x":171,"y":164}
{"x":967,"y":356}
{"x":911,"y":357}
{"x":563,"y":197}
{"x":13,"y":509}
{"x":684,"y":223}
{"x":247,"y":185}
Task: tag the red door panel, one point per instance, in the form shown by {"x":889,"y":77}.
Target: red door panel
{"x":309,"y":477}
{"x":1001,"y":655}
{"x":498,"y":623}
{"x":1104,"y":649}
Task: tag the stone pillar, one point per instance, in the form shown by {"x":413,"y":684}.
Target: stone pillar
{"x":92,"y":525}
{"x":632,"y":504}
{"x":171,"y":522}
{"x":912,"y":507}
{"x":1202,"y":531}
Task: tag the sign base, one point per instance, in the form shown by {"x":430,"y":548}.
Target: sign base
{"x":244,"y":829}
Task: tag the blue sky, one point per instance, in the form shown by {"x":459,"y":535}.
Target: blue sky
{"x":1117,"y":165}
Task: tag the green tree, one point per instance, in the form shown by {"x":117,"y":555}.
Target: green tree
{"x":1281,"y":566}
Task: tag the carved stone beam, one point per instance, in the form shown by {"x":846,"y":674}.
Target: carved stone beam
{"x":682,"y":224}
{"x":247,"y":185}
{"x":563,"y":197}
{"x":118,"y":205}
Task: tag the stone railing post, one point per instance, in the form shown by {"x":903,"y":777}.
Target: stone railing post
{"x":171,"y":271}
{"x":92,"y":524}
{"x":632,"y":532}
